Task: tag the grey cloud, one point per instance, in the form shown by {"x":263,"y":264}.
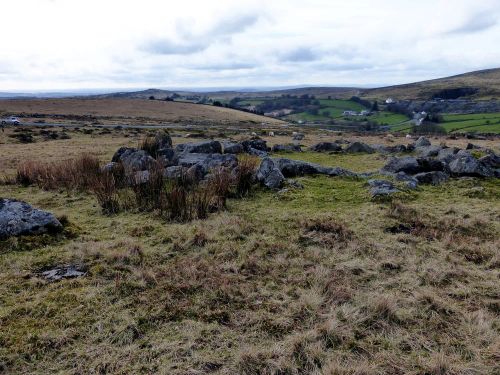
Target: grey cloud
{"x":192,"y":43}
{"x":476,"y":23}
{"x":301,"y":54}
{"x":226,"y":66}
{"x":167,"y":47}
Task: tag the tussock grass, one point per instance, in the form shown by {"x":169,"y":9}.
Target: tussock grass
{"x":313,"y":284}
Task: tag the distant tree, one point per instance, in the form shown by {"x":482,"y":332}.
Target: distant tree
{"x":217,"y":103}
{"x":151,"y":97}
{"x":313,"y":111}
{"x":169,"y":99}
{"x":375,"y":106}
{"x":326,"y":113}
{"x":435,"y":117}
{"x":329,"y":97}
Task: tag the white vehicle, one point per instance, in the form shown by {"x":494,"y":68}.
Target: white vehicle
{"x":10,"y":121}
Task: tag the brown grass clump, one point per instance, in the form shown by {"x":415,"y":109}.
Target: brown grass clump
{"x":245,"y":175}
{"x":327,"y":230}
{"x":74,"y":174}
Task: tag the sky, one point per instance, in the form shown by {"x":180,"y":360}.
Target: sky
{"x":98,"y":44}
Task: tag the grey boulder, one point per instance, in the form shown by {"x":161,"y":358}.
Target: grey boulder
{"x":464,"y":164}
{"x":407,"y":164}
{"x":204,"y":147}
{"x":326,"y":146}
{"x":359,"y":147}
{"x":19,"y":218}
{"x":208,"y":161}
{"x":422,"y":141}
{"x":233,"y":148}
{"x":434,"y":178}
{"x":286,"y":148}
{"x":382,"y":188}
{"x":133,"y":160}
{"x":269,"y":174}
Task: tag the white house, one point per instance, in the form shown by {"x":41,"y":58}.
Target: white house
{"x":349,"y":113}
{"x":389,"y":101}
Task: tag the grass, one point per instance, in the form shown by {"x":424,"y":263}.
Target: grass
{"x":483,"y":122}
{"x":310,"y":281}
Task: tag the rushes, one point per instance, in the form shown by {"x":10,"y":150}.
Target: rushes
{"x":180,"y":199}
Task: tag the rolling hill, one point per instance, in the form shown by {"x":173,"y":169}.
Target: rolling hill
{"x":130,"y":111}
{"x":483,"y":84}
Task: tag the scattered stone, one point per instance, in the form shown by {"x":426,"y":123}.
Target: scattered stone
{"x":133,"y":160}
{"x":382,"y":188}
{"x":208,"y":161}
{"x":464,"y":164}
{"x":64,"y":272}
{"x":410,"y":181}
{"x":19,"y":218}
{"x":434,"y":178}
{"x":286,"y":148}
{"x":471,"y":146}
{"x":233,"y":148}
{"x":269,"y":174}
{"x":422,"y":141}
{"x":447,"y":154}
{"x":359,"y":147}
{"x":298,"y":136}
{"x":407,"y":164}
{"x":428,"y":151}
{"x":326,"y":146}
{"x":173,"y":172}
{"x":293,"y":168}
{"x":167,"y":156}
{"x":294,"y":184}
{"x":204,"y":147}
{"x":256,"y":144}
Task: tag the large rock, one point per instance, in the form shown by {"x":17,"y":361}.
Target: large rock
{"x":434,"y":178}
{"x":428,"y":151}
{"x":326,"y":146}
{"x":133,"y":160}
{"x":430,"y":165}
{"x":382,"y":188}
{"x":292,"y":168}
{"x":409,"y":181}
{"x":19,"y":218}
{"x":407,"y":164}
{"x":167,"y":156}
{"x":491,"y":160}
{"x":286,"y":148}
{"x":359,"y":147}
{"x":256,"y":144}
{"x":208,"y":161}
{"x":204,"y":147}
{"x":464,"y":164}
{"x":269,"y":174}
{"x":422,"y":141}
{"x":447,"y":154}
{"x":233,"y":148}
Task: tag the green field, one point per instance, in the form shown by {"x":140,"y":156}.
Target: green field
{"x":482,"y":122}
{"x":388,"y":118}
{"x":248,"y":102}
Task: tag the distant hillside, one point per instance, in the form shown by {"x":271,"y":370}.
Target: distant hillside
{"x":131,"y":111}
{"x":483,"y":84}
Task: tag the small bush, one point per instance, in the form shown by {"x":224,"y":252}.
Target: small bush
{"x":245,"y":175}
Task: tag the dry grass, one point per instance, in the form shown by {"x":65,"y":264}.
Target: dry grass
{"x":131,"y":110}
{"x":310,"y":283}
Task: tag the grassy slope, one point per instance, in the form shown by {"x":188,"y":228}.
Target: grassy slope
{"x":251,"y":290}
{"x":133,"y":109}
{"x":488,"y":81}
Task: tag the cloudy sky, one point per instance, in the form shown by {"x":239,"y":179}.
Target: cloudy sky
{"x":77,"y":44}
